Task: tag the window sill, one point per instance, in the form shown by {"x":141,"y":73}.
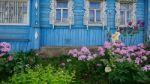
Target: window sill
{"x":123,"y":26}
{"x":62,"y":24}
{"x":95,"y":25}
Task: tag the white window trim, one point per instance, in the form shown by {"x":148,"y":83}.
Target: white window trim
{"x":117,"y":17}
{"x":20,"y":24}
{"x":53,"y":14}
{"x":103,"y":14}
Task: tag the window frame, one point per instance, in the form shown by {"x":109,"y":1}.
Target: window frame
{"x":52,"y":18}
{"x":126,"y":19}
{"x":20,"y":24}
{"x":103,"y":14}
{"x":61,"y":23}
{"x":118,"y":15}
{"x":95,"y":15}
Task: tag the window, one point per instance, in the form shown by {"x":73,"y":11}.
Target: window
{"x":126,"y":12}
{"x":61,"y":13}
{"x":95,"y":14}
{"x":14,"y":12}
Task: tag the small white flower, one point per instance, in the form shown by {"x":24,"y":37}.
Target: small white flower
{"x":107,"y":69}
{"x":144,"y":58}
{"x":69,"y":60}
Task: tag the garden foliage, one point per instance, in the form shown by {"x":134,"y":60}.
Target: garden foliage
{"x":112,"y":63}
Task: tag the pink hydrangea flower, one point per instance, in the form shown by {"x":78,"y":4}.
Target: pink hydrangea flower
{"x":139,"y":53}
{"x":101,"y":51}
{"x":10,"y":58}
{"x":118,"y":44}
{"x":147,"y":52}
{"x":142,"y":45}
{"x":130,"y":49}
{"x":146,"y":68}
{"x":107,"y":45}
{"x":138,"y":61}
{"x":2,"y":54}
{"x":123,"y":52}
{"x":5,"y":47}
{"x":85,"y":50}
{"x":134,"y":47}
{"x":82,"y":57}
{"x":73,"y":52}
{"x":117,"y":50}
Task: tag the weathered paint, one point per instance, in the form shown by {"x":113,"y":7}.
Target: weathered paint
{"x":40,"y":32}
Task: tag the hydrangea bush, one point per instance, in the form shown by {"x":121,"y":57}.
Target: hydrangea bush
{"x":138,"y":53}
{"x":115,"y":57}
{"x":5,"y":58}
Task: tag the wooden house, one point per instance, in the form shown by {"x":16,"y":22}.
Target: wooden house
{"x":32,"y":24}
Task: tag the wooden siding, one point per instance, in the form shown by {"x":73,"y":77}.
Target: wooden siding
{"x":78,"y":35}
{"x":148,"y":14}
{"x":18,"y":37}
{"x":23,"y":37}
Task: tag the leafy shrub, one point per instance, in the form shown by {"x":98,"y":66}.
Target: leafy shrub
{"x":24,"y":59}
{"x":16,"y":62}
{"x":86,"y":72}
{"x":117,"y":63}
{"x":5,"y":58}
{"x":127,"y":73}
{"x":42,"y":75}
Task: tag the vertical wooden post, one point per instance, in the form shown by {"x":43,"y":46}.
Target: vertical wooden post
{"x":35,"y":24}
{"x":110,"y":18}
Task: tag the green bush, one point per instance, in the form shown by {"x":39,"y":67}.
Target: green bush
{"x":42,"y":75}
{"x":93,"y":71}
{"x":86,"y":72}
{"x":127,"y":73}
{"x":24,"y":59}
{"x":16,"y":62}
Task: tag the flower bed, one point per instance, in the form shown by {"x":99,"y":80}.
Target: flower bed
{"x":119,"y":63}
{"x":112,"y":63}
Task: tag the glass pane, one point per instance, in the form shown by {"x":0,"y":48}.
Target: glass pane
{"x":122,"y":21}
{"x":58,"y":15}
{"x":98,"y":16}
{"x":65,"y":14}
{"x":62,"y":3}
{"x":124,"y":6}
{"x":91,"y":15}
{"x":94,"y":5}
{"x":128,"y":16}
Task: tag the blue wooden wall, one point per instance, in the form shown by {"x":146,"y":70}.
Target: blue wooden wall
{"x":78,"y":35}
{"x":148,"y":19}
{"x":23,"y":37}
